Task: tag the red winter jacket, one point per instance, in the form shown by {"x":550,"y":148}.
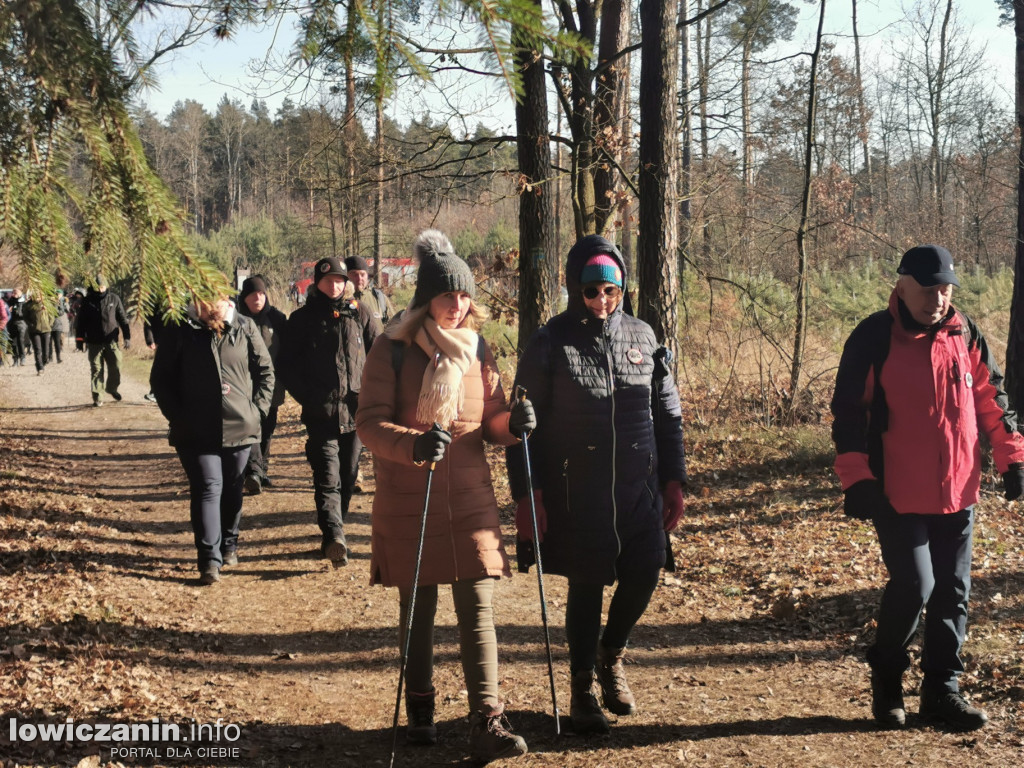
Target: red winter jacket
{"x":915,"y":425}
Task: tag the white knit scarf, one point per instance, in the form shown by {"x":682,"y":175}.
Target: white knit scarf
{"x":443,"y":392}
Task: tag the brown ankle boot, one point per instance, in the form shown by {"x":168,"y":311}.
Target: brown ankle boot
{"x":584,"y":710}
{"x":491,"y":736}
{"x":419,"y":714}
{"x":611,"y":674}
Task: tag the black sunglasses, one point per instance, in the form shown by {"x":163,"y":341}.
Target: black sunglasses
{"x":592,"y":291}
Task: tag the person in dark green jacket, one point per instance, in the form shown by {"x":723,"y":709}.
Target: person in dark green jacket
{"x":213,"y":380}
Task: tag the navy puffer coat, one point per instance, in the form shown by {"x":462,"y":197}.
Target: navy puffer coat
{"x":608,"y":438}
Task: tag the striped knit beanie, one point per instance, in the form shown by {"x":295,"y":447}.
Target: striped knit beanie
{"x":601,"y":268}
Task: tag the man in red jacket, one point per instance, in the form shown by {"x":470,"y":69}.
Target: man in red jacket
{"x":916,"y":388}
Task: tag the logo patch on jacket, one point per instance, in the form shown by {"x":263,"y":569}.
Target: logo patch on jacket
{"x":635,"y":356}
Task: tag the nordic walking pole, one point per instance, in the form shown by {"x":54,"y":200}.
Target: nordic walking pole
{"x":520,"y":394}
{"x":410,"y":610}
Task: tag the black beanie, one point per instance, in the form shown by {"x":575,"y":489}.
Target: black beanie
{"x":440,"y":270}
{"x":357,"y":263}
{"x":330,"y":265}
{"x":252,"y":284}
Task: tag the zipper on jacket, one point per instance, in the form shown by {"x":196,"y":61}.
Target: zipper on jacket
{"x":605,"y":335}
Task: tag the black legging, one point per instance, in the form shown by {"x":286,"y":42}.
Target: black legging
{"x":583,"y":617}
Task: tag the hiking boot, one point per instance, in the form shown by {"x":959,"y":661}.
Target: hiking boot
{"x":209,"y":575}
{"x":336,"y":552}
{"x":265,"y":482}
{"x":230,"y":556}
{"x":419,"y":713}
{"x":491,"y":737}
{"x":584,"y":711}
{"x":252,"y":486}
{"x":611,"y":674}
{"x":887,"y":699}
{"x":951,"y":708}
{"x":115,"y":395}
{"x":148,"y":397}
{"x":97,"y":403}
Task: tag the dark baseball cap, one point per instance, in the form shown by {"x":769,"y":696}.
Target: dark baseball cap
{"x":929,"y":265}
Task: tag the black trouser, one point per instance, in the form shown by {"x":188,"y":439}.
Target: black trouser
{"x":41,"y":348}
{"x":19,"y":340}
{"x":334,"y":458}
{"x":56,"y":344}
{"x":259,"y":456}
{"x":215,"y":480}
{"x":929,"y":562}
{"x":583,"y":617}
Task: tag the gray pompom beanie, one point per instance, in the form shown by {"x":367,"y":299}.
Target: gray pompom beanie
{"x":440,"y":270}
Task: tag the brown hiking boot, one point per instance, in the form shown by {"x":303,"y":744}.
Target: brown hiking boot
{"x":611,"y":674}
{"x":584,"y":711}
{"x":491,"y":737}
{"x":419,"y":712}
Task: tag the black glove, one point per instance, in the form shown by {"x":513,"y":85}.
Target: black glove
{"x":522,"y":418}
{"x":865,"y":500}
{"x":80,"y":346}
{"x":1013,"y":482}
{"x":430,"y":445}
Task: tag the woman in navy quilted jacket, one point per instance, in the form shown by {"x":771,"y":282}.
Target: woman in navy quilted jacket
{"x":608,"y":469}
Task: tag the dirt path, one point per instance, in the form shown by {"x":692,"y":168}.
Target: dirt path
{"x":749,"y":655}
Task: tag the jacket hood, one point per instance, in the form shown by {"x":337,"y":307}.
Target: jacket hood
{"x":585,"y":247}
{"x":193,"y":315}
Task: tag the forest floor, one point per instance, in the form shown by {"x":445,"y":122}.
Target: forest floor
{"x":749,"y":655}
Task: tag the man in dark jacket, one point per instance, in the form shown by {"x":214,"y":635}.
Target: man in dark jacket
{"x":365,"y":291}
{"x":321,"y":362}
{"x":100,"y":317}
{"x":916,"y":388}
{"x":253,"y":303}
{"x":17,"y":326}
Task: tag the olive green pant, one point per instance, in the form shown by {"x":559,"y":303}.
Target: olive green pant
{"x":478,"y":645}
{"x":106,"y":355}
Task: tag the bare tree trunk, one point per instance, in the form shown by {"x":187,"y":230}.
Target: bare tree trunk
{"x":658,"y":240}
{"x":378,"y":196}
{"x":800,"y":335}
{"x":1015,"y":343}
{"x":686,"y":134}
{"x":537,"y":287}
{"x":862,"y":114}
{"x":935,"y":153}
{"x":608,"y":128}
{"x":351,"y":231}
{"x":703,"y":74}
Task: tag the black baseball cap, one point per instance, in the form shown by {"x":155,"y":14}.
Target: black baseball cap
{"x":929,"y":265}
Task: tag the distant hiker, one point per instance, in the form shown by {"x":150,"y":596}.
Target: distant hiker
{"x":374,"y":298}
{"x":5,"y":318}
{"x":152,"y":328}
{"x":431,"y":394}
{"x":917,"y":386}
{"x":61,"y":325}
{"x":270,"y":321}
{"x":321,"y":362}
{"x":608,"y":470}
{"x":100,"y":317}
{"x":74,"y":305}
{"x":17,"y":326}
{"x":213,"y":381}
{"x":39,"y":317}
{"x":365,"y":291}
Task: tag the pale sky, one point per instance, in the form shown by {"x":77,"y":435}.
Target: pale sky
{"x":206,"y":71}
